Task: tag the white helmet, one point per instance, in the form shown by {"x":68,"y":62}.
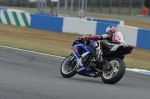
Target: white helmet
{"x":111,"y":29}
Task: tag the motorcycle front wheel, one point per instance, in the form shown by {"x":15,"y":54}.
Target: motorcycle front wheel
{"x":116,"y":73}
{"x":68,"y":67}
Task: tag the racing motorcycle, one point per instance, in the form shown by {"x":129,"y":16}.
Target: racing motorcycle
{"x":81,"y":61}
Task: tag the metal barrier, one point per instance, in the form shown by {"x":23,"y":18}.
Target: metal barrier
{"x":124,"y":7}
{"x":41,"y":4}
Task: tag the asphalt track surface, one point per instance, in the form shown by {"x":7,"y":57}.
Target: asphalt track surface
{"x":27,"y":75}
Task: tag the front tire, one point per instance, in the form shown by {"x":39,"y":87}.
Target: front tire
{"x":68,"y":68}
{"x":116,"y":73}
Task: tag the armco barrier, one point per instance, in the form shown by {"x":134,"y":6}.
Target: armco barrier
{"x":117,"y":22}
{"x":46,"y":22}
{"x":129,"y":33}
{"x":79,"y":26}
{"x":143,"y":39}
{"x":18,"y":18}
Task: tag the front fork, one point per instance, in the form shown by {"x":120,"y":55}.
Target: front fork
{"x":79,"y":58}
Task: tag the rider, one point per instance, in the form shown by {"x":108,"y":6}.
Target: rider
{"x":112,"y":35}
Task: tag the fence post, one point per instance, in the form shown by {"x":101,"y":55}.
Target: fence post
{"x":66,"y":6}
{"x":75,"y":5}
{"x":86,"y":1}
{"x":6,"y":2}
{"x":38,"y":5}
{"x":79,"y":4}
{"x":142,"y":5}
{"x":14,"y":3}
{"x":110,"y":4}
{"x":51,"y":7}
{"x":120,"y":6}
{"x":28,"y":3}
{"x":82,"y":5}
{"x":101,"y":5}
{"x":130,"y":6}
{"x":20,"y":3}
{"x":58,"y":6}
{"x":72,"y":1}
{"x":92,"y":5}
{"x":43,"y":4}
{"x":41,"y":7}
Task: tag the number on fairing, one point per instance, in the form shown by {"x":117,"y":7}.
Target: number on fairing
{"x":114,"y":48}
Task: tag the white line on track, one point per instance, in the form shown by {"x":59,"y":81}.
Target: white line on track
{"x":129,"y":69}
{"x":30,"y":51}
{"x":139,"y":70}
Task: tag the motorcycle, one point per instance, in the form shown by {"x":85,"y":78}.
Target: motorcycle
{"x":81,"y":61}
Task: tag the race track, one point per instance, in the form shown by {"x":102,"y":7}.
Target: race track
{"x":27,"y":75}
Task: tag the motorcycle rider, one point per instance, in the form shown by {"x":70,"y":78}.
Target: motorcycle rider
{"x":113,"y":36}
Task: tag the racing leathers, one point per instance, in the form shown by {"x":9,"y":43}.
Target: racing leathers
{"x":112,"y":38}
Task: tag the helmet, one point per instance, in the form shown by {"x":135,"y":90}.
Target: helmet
{"x":111,"y":29}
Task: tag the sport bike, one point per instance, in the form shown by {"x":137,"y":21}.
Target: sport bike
{"x":81,"y":61}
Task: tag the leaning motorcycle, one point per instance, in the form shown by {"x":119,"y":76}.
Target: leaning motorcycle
{"x":81,"y":62}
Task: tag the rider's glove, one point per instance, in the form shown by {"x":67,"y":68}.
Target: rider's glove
{"x":87,"y":36}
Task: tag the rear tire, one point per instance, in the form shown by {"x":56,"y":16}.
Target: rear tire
{"x":117,"y":72}
{"x":64,"y":69}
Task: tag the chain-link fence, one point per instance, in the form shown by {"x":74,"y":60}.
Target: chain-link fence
{"x":18,"y":3}
{"x":124,"y":7}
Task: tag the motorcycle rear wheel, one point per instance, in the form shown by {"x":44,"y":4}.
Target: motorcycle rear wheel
{"x":116,"y":73}
{"x":68,"y":70}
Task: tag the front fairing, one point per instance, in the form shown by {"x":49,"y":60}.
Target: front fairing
{"x":77,"y":41}
{"x":80,"y":49}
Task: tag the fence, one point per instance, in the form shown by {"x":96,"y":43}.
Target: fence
{"x":124,"y":7}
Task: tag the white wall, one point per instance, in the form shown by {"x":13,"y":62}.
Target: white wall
{"x":130,"y":34}
{"x":78,"y":26}
{"x":121,"y":22}
{"x":69,"y":25}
